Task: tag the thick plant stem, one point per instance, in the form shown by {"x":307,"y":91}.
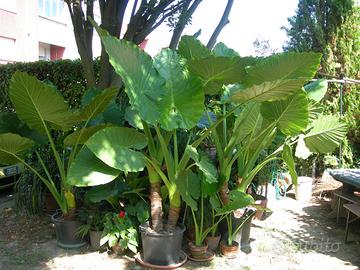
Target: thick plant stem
{"x":224,"y":193}
{"x":173,"y":217}
{"x":156,"y":207}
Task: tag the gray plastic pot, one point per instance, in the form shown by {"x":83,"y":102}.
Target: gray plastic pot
{"x":66,"y":232}
{"x":161,"y":248}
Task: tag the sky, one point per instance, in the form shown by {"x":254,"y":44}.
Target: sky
{"x":249,"y":20}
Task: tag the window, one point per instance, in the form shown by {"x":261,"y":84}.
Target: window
{"x":51,"y":8}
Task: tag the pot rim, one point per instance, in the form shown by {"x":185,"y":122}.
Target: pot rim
{"x":163,"y":234}
{"x":224,"y":243}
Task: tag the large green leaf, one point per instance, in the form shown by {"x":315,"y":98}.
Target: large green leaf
{"x":238,"y":200}
{"x":326,"y":133}
{"x":192,"y":48}
{"x":287,"y":156}
{"x":203,"y":163}
{"x":221,"y":49}
{"x":278,"y":76}
{"x":38,"y":103}
{"x":249,"y":121}
{"x":114,"y":146}
{"x":143,"y":84}
{"x":182,"y":100}
{"x":88,"y":170}
{"x":82,"y":135}
{"x":11,"y":146}
{"x":316,"y":90}
{"x":107,"y":191}
{"x":97,"y":104}
{"x":10,"y":123}
{"x":188,"y":184}
{"x":216,"y":71}
{"x":291,"y":115}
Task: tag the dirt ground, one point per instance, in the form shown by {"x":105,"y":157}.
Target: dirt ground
{"x":296,"y":235}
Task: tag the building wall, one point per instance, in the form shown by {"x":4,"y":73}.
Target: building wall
{"x":28,"y":28}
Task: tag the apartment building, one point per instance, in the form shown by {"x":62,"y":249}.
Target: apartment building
{"x":32,"y":30}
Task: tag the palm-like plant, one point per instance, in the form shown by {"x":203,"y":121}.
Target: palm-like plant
{"x":41,"y":112}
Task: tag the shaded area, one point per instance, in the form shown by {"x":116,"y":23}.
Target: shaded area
{"x":296,"y":236}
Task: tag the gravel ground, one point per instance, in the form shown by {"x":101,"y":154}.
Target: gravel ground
{"x":296,"y":235}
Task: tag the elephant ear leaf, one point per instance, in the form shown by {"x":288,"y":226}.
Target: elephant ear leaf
{"x":82,"y":135}
{"x":316,"y":90}
{"x":97,"y":103}
{"x":142,"y":82}
{"x":88,"y":170}
{"x":326,"y":133}
{"x":278,"y":76}
{"x":221,"y":49}
{"x":12,"y":146}
{"x":191,"y":48}
{"x":189,"y":187}
{"x":291,"y":115}
{"x":216,"y":71}
{"x":38,"y":103}
{"x":182,"y":100}
{"x":116,"y":147}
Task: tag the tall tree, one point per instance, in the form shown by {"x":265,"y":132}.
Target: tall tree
{"x":146,"y":16}
{"x":333,"y":28}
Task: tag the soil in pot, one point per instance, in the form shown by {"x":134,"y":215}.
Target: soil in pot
{"x":95,"y":237}
{"x":197,"y":252}
{"x":213,"y":242}
{"x":66,"y":232}
{"x":161,"y":248}
{"x":229,"y":251}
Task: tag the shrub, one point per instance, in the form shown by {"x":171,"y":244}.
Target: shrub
{"x":66,"y":75}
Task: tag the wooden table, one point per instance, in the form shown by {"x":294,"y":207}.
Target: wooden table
{"x":351,"y":181}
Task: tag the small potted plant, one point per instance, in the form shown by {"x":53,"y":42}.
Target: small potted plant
{"x":45,"y":119}
{"x":201,"y":189}
{"x":93,"y":219}
{"x":213,"y":238}
{"x":120,"y":233}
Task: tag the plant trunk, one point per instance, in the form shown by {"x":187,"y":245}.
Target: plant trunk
{"x":156,"y":207}
{"x":174,"y":213}
{"x":224,"y":193}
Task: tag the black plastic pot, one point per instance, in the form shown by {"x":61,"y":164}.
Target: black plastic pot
{"x":66,"y":230}
{"x":161,"y":248}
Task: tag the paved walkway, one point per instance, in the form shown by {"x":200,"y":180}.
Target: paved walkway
{"x":296,"y":236}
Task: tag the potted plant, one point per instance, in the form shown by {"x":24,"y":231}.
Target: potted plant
{"x":213,"y":238}
{"x":93,"y":224}
{"x":203,"y":187}
{"x":119,"y":232}
{"x":46,"y":116}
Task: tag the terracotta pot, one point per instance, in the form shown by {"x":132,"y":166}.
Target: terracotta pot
{"x":262,"y":201}
{"x":197,"y":252}
{"x":95,"y":237}
{"x":229,"y":251}
{"x":117,"y":249}
{"x":213,"y":242}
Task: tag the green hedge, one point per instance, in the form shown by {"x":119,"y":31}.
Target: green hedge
{"x":65,"y":74}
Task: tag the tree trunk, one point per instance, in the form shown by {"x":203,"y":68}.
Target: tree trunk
{"x":156,"y":207}
{"x":173,"y":217}
{"x":223,"y":22}
{"x":224,"y":193}
{"x":184,"y":17}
